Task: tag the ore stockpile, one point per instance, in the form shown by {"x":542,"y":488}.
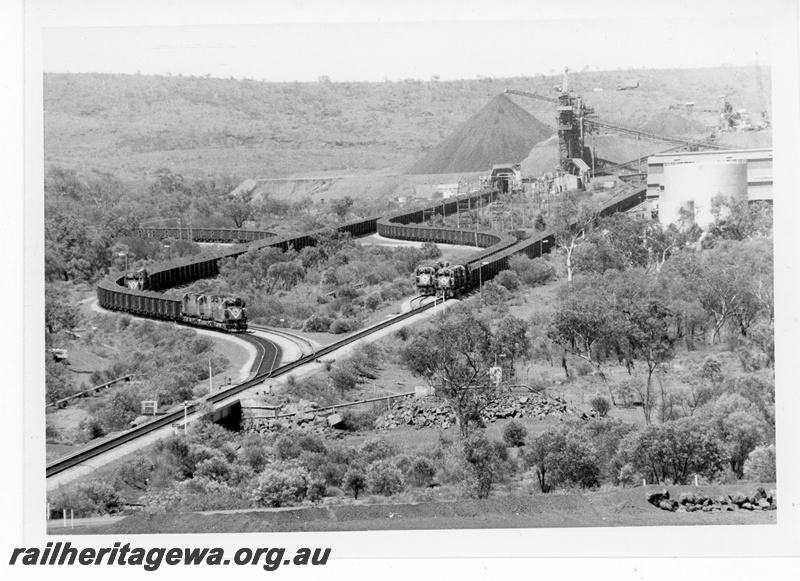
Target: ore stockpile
{"x":501,"y":132}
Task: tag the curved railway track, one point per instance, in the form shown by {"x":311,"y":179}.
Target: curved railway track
{"x":177,"y":415}
{"x":267,"y":353}
{"x":306,"y":346}
{"x":496,"y":249}
{"x":417,"y":302}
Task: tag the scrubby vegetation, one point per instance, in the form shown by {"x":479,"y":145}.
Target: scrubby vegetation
{"x":332,"y":287}
{"x":669,"y":331}
{"x":165,"y":364}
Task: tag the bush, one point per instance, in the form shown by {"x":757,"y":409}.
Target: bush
{"x":332,"y":473}
{"x":514,"y":434}
{"x":120,"y":409}
{"x":532,"y":272}
{"x":317,"y":324}
{"x":508,"y":279}
{"x":605,"y":435}
{"x":373,"y":450}
{"x":627,"y":392}
{"x":494,"y":294}
{"x":215,"y":468}
{"x":430,"y":250}
{"x":383,"y":478}
{"x":582,"y":368}
{"x":255,"y":454}
{"x":311,"y":443}
{"x":673,"y":451}
{"x":600,"y":405}
{"x":340,"y":326}
{"x":484,"y":462}
{"x":355,"y":480}
{"x":760,"y":464}
{"x":361,"y":421}
{"x":421,"y":472}
{"x":287,"y":447}
{"x":283,"y":486}
{"x":343,"y":378}
{"x":97,"y":497}
{"x":136,"y":473}
{"x":373,"y":300}
{"x":564,"y":457}
{"x":94,"y":428}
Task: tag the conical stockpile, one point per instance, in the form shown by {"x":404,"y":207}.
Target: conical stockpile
{"x":501,"y":132}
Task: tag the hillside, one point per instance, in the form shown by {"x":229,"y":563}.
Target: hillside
{"x":132,"y":125}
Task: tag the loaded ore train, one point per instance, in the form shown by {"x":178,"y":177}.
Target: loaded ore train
{"x":444,"y":280}
{"x":223,"y":313}
{"x":115,"y":292}
{"x":137,"y":280}
{"x":426,"y":279}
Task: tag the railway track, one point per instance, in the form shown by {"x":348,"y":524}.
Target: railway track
{"x":267,"y":354}
{"x":177,"y":415}
{"x":306,"y":346}
{"x":417,"y":302}
{"x":495,"y":250}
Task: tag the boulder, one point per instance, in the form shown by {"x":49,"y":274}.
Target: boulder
{"x":655,"y":498}
{"x":772,"y":497}
{"x":688,"y":498}
{"x":730,"y":507}
{"x":747,"y":506}
{"x":764,"y":504}
{"x":706,"y":508}
{"x":722,"y":499}
{"x":669,"y":505}
{"x":738,"y":498}
{"x":304,"y":418}
{"x":337,"y":421}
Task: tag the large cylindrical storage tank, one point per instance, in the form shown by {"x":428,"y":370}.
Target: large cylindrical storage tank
{"x":700,"y":183}
{"x":676,"y":212}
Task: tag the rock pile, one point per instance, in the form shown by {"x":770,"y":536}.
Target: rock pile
{"x":699,"y":501}
{"x":432,"y":412}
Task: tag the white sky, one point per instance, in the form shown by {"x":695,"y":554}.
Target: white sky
{"x":497,"y":39}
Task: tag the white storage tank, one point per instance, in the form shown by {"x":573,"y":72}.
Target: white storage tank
{"x":671,"y":212}
{"x":699,"y":183}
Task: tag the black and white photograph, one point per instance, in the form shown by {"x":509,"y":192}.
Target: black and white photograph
{"x":505,"y":280}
